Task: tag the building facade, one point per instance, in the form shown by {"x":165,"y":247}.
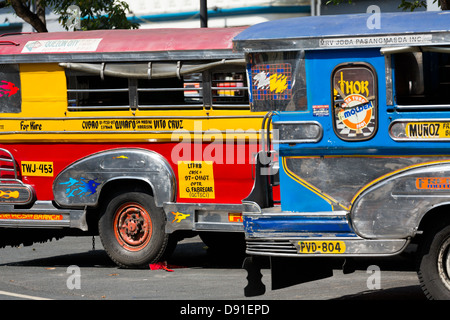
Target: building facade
{"x":319,"y":7}
{"x":221,"y":13}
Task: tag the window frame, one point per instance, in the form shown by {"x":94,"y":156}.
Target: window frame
{"x":423,"y":103}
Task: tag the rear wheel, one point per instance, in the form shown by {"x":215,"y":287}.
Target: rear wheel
{"x":434,"y":264}
{"x":132,"y":230}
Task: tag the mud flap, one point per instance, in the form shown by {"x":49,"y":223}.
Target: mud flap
{"x":288,"y":272}
{"x":253,"y":266}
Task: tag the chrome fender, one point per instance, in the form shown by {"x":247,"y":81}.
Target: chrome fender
{"x":394,"y":206}
{"x":80,"y":183}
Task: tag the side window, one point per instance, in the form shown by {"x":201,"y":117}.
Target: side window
{"x":422,"y":80}
{"x":90,"y":92}
{"x":217,"y":89}
{"x":354,"y":101}
{"x":10,"y":94}
{"x":177,"y":93}
{"x":277,"y":81}
{"x":229,"y":89}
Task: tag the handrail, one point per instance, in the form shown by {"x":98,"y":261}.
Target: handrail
{"x":10,"y":159}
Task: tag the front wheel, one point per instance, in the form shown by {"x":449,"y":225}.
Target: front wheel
{"x":132,"y":231}
{"x":434,"y":264}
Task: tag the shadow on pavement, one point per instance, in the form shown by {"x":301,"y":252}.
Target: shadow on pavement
{"x":93,"y":258}
{"x":400,"y":293}
{"x":191,"y":254}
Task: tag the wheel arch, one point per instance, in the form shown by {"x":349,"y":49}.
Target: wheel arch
{"x":438,"y":215}
{"x":85,"y":181}
{"x":414,"y":207}
{"x":120,"y":185}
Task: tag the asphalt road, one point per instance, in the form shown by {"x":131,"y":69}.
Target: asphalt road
{"x":69,"y":269}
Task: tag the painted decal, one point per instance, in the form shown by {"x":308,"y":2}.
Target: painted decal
{"x":179,"y":216}
{"x":272,"y":81}
{"x":37,"y":168}
{"x":31,"y":216}
{"x":322,"y":247}
{"x":440,"y":183}
{"x":80,"y":188}
{"x":9,"y":194}
{"x":354,"y":102}
{"x":92,"y":126}
{"x":356,"y":113}
{"x":8,"y":89}
{"x":62,"y":45}
{"x":196,"y":179}
{"x":329,"y":199}
{"x":321,"y":110}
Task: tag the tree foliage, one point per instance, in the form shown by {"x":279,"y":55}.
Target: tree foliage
{"x":96,"y":14}
{"x":406,"y":5}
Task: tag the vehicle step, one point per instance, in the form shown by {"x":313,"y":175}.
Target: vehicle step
{"x":271,"y":222}
{"x":337,"y":246}
{"x":42,"y":215}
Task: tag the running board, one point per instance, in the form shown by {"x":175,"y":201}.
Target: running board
{"x":42,"y":215}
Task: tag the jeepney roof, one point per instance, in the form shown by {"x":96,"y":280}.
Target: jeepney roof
{"x":347,"y":31}
{"x":141,"y":44}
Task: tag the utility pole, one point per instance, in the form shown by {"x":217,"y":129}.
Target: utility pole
{"x":203,"y":14}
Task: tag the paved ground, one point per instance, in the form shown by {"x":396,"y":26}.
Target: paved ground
{"x":70,"y":269}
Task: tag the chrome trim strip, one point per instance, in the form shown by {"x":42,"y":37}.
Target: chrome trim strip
{"x":196,"y":217}
{"x":71,"y":218}
{"x":305,"y":130}
{"x":394,"y":50}
{"x":389,"y":80}
{"x":252,"y":209}
{"x":287,"y":247}
{"x":329,"y":42}
{"x":219,"y":226}
{"x":121,"y":56}
{"x":397,"y":130}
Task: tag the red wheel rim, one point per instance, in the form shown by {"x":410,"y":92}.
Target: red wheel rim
{"x":132,"y":226}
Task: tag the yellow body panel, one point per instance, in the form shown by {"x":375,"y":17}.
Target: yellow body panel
{"x":44,"y":91}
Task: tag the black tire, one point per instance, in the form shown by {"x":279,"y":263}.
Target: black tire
{"x":132,"y":230}
{"x":434,"y":263}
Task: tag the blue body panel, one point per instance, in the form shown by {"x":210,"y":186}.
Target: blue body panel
{"x":319,"y":66}
{"x":300,"y":196}
{"x":306,"y":226}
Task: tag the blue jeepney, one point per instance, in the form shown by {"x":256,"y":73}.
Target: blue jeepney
{"x":359,"y":116}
